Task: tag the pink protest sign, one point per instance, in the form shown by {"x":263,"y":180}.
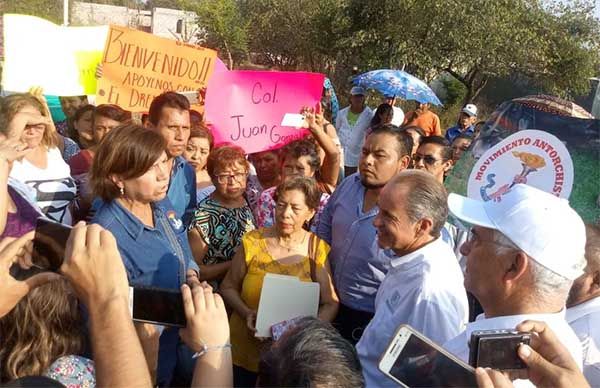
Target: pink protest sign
{"x":246,"y":107}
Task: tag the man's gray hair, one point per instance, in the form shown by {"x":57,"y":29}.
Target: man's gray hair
{"x":548,"y":284}
{"x":425,"y":198}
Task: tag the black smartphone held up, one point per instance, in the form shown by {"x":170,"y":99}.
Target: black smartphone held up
{"x":497,"y":349}
{"x":49,"y":244}
{"x":160,"y":306}
{"x":413,"y":360}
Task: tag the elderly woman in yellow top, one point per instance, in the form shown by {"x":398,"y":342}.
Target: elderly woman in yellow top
{"x":280,"y":249}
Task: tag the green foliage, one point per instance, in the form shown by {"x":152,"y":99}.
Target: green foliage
{"x":226,"y":29}
{"x":48,"y":9}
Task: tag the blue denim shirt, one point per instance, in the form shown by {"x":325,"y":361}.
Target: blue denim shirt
{"x":157,"y":257}
{"x":453,"y":132}
{"x":357,"y":262}
{"x":182,"y":190}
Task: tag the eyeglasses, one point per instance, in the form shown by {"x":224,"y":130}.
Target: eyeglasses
{"x":427,"y":159}
{"x":238,"y":177}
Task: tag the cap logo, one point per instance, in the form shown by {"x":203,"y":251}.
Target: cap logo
{"x":534,"y":157}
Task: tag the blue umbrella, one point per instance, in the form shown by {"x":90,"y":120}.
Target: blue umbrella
{"x":397,"y":83}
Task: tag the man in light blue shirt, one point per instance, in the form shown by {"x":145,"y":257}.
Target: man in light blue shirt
{"x":169,"y":115}
{"x":358,"y":264}
{"x":424,"y":286}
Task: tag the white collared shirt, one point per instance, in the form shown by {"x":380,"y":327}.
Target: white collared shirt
{"x":398,"y":117}
{"x":423,"y":289}
{"x":585,"y":321}
{"x":557,"y":322}
{"x":352,"y":137}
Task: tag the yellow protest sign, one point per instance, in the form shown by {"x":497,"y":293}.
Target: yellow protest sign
{"x":137,"y":66}
{"x":60,"y":60}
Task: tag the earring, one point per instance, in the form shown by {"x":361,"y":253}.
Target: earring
{"x":122,"y":191}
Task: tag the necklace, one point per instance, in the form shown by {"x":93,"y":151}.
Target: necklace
{"x":293,"y":244}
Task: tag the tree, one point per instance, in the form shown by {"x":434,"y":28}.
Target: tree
{"x":295,"y":34}
{"x":48,"y":9}
{"x":225,"y":28}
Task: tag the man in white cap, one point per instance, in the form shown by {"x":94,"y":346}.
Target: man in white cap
{"x":424,"y":285}
{"x":583,"y":311}
{"x":352,"y":123}
{"x":522,"y":256}
{"x":465,"y":124}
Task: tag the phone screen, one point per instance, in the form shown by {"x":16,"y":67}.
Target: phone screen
{"x":157,"y":305}
{"x":49,"y":244}
{"x":419,"y":364}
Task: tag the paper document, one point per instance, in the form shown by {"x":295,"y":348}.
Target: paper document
{"x":282,"y":298}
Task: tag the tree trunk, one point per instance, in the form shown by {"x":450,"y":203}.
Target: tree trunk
{"x":229,"y":57}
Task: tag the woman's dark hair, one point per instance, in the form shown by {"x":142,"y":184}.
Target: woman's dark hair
{"x":128,"y":151}
{"x":202,"y":133}
{"x":45,"y":325}
{"x":72,"y":132}
{"x":113,"y":112}
{"x":299,"y":148}
{"x":307,"y":186}
{"x":310,"y":354}
{"x":381,"y":110}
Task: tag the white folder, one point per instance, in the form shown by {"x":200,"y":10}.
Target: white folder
{"x":285,"y":297}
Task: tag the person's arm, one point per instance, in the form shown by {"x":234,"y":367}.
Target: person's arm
{"x":331,"y":163}
{"x":329,"y":302}
{"x":94,"y":267}
{"x":548,"y":362}
{"x":231,"y":286}
{"x":437,"y":128}
{"x":207,"y":332}
{"x":199,"y":249}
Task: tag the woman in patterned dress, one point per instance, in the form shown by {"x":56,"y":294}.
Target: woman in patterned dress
{"x":223,"y":217}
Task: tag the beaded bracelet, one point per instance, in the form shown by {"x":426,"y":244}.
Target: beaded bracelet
{"x":205,"y":349}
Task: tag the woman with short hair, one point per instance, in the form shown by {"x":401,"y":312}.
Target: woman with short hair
{"x":285,"y":248}
{"x":223,"y":217}
{"x":24,"y":118}
{"x":196,"y":153}
{"x":131,"y":175}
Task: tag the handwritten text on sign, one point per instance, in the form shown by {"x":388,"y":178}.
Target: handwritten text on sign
{"x":246,"y":107}
{"x":138,"y":66}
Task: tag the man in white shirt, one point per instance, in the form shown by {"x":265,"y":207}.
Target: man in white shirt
{"x":522,"y":255}
{"x":424,"y":286}
{"x":583,"y":313}
{"x":352,"y":123}
{"x":398,"y":117}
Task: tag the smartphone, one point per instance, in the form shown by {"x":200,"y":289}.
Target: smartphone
{"x":49,"y":244}
{"x":497,"y":349}
{"x":160,"y":306}
{"x":413,"y":360}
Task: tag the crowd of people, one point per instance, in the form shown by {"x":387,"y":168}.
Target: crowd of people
{"x":358,"y":206}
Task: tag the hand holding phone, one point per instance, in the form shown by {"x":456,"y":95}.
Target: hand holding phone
{"x":497,"y":349}
{"x":49,"y":244}
{"x":413,"y":360}
{"x":160,"y":306}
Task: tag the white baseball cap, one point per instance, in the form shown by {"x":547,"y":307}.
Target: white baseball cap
{"x":470,"y":109}
{"x":539,"y":223}
{"x":357,"y":90}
